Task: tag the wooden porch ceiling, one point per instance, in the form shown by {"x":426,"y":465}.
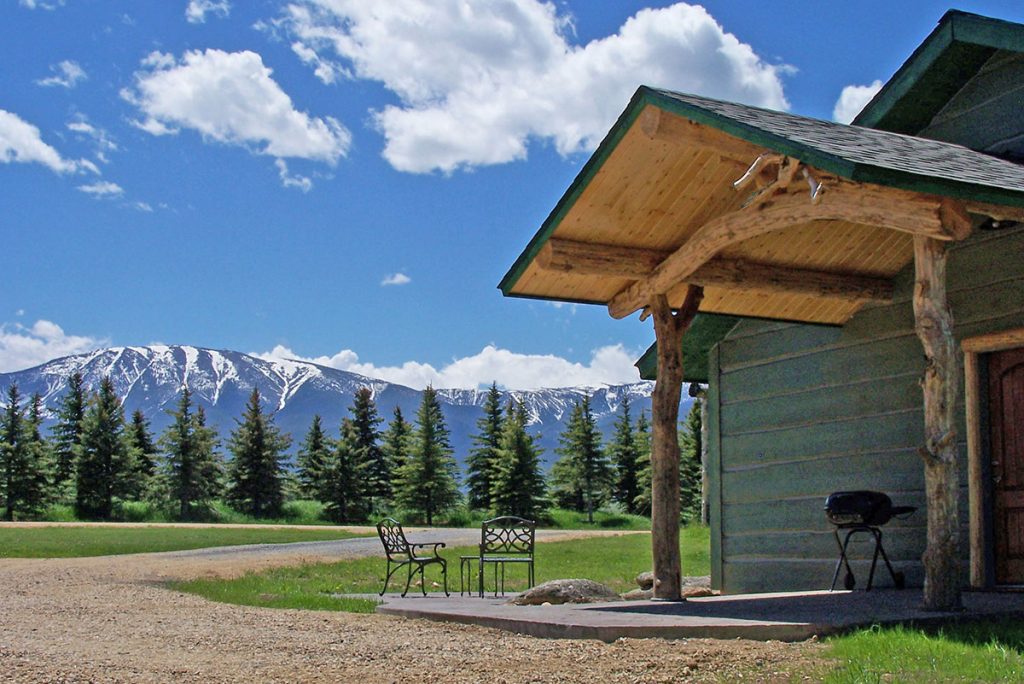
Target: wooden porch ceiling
{"x":659,"y":207}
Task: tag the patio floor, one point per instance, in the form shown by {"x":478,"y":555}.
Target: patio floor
{"x":782,"y":616}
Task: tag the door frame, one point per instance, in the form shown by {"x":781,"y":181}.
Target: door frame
{"x":975,"y":402}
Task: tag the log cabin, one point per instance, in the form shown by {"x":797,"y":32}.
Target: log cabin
{"x":853,"y":297}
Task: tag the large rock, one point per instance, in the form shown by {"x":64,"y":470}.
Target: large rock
{"x":645,"y":580}
{"x":566,"y":591}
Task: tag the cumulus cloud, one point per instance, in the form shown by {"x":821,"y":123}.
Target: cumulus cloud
{"x":24,"y":347}
{"x":396,"y":279}
{"x":852,"y":100}
{"x":197,"y":10}
{"x":509,"y":73}
{"x":230,"y":98}
{"x":608,"y":365}
{"x":102,"y":189}
{"x":290,"y":180}
{"x":21,"y":142}
{"x":66,"y":74}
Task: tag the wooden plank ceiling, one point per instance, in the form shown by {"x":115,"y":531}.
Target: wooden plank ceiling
{"x":654,"y":191}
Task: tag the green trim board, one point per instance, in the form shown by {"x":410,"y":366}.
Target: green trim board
{"x":937,"y":69}
{"x":852,"y":152}
{"x":705,"y":332}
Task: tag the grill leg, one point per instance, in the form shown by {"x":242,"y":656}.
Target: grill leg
{"x":874,"y":558}
{"x":843,"y":560}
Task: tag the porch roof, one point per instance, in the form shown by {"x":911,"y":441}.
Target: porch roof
{"x":664,"y":178}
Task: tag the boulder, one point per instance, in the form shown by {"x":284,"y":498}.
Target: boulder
{"x":645,"y":580}
{"x":566,"y":591}
{"x":639,"y":595}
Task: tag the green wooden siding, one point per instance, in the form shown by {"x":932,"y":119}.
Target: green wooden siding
{"x":799,"y":411}
{"x":986,"y":114}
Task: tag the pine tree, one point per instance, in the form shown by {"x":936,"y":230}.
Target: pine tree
{"x":396,"y":441}
{"x":192,"y":470}
{"x":256,"y":472}
{"x":40,"y":459}
{"x":342,"y":488}
{"x":582,"y":475}
{"x":642,"y":503}
{"x":427,"y":483}
{"x":141,"y":440}
{"x":690,"y":465}
{"x":370,"y":458}
{"x":66,"y":435}
{"x":624,"y":453}
{"x":483,"y":458}
{"x":22,"y":459}
{"x":104,"y":455}
{"x":312,"y":460}
{"x":517,"y":487}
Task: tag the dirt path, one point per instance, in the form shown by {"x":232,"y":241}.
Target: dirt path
{"x":110,"y":619}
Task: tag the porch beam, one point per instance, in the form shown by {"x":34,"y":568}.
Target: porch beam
{"x":919,"y":215}
{"x":933,"y":322}
{"x":998,"y":212}
{"x":669,"y":329}
{"x":586,"y":258}
{"x":664,"y":127}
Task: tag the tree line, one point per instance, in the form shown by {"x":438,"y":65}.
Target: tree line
{"x":95,"y":459}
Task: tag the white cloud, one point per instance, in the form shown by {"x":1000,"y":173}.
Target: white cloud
{"x":41,"y":4}
{"x":608,"y":365}
{"x":508,"y":72}
{"x":24,"y":347}
{"x":197,"y":10}
{"x":142,"y":206}
{"x":290,"y":180}
{"x":852,"y":100}
{"x":230,"y":98}
{"x":395,"y":279}
{"x":66,"y":74}
{"x":102,"y":189}
{"x":21,"y":142}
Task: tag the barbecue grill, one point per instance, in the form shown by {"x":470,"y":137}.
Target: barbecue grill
{"x":862,"y":512}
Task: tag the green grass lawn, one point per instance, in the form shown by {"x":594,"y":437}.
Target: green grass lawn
{"x":68,"y":542}
{"x":614,"y":561}
{"x":987,"y":651}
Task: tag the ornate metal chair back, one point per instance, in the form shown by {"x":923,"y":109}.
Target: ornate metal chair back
{"x":507,"y":534}
{"x":392,"y":536}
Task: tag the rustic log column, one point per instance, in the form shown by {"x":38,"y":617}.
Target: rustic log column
{"x":669,"y":329}
{"x":934,"y":326}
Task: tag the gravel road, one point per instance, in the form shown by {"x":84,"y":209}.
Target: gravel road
{"x":110,"y":619}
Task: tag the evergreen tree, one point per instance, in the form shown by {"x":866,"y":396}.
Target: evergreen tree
{"x":342,"y":488}
{"x":312,"y":460}
{"x":22,"y":465}
{"x":373,"y":465}
{"x":256,"y":472}
{"x":141,"y":440}
{"x":66,"y":435}
{"x":427,"y":482}
{"x":192,"y":470}
{"x":643,"y":442}
{"x":104,"y":456}
{"x":396,"y":440}
{"x":40,"y":459}
{"x":517,"y":487}
{"x":483,"y":458}
{"x":690,"y":465}
{"x":582,"y":475}
{"x":624,"y":453}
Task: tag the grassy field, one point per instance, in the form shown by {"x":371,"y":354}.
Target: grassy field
{"x":987,"y":651}
{"x":69,"y":542}
{"x":614,"y":561}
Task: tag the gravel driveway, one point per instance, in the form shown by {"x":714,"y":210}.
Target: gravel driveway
{"x":110,"y":619}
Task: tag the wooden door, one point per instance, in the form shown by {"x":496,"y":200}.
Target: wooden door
{"x":1006,"y":412}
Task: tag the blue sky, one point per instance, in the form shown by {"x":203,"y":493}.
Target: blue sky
{"x":347,"y":181}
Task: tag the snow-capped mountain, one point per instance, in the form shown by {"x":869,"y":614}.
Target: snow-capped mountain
{"x":150,"y":379}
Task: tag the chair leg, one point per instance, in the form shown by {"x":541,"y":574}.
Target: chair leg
{"x":423,"y":579}
{"x":444,"y":576}
{"x":390,"y":571}
{"x":408,"y":581}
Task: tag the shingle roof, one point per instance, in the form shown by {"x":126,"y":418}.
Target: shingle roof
{"x":853,"y":151}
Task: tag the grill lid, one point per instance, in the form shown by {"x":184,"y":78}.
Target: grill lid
{"x":862,"y":507}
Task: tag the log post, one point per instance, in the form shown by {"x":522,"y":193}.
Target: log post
{"x":669,"y":329}
{"x":933,"y":323}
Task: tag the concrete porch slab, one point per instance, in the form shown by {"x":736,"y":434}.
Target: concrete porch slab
{"x":782,"y":616}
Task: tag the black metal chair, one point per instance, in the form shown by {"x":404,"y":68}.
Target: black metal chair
{"x":402,"y":553}
{"x":506,"y":539}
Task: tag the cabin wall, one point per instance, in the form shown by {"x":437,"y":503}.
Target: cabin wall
{"x":799,"y":411}
{"x":986,"y":114}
